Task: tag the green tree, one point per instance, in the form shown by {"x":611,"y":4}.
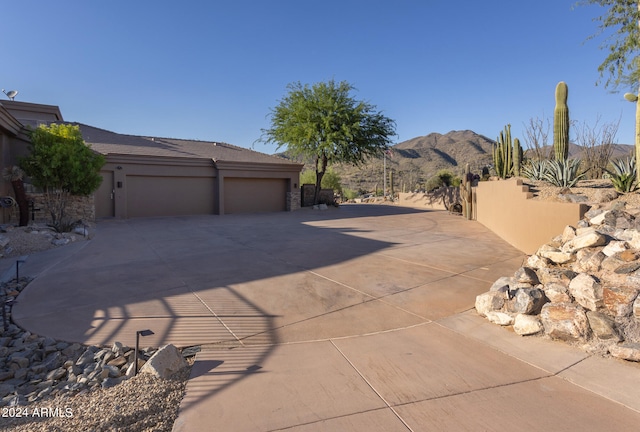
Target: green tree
{"x":330,"y":180}
{"x":325,"y":123}
{"x":622,"y":64}
{"x":61,"y":164}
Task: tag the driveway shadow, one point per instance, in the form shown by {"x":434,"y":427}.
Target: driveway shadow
{"x":239,"y":285}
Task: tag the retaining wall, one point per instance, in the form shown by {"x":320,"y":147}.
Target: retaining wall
{"x":506,"y":208}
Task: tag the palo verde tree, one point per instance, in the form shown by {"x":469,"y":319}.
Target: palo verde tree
{"x":622,"y":64}
{"x":325,"y":123}
{"x":61,"y":164}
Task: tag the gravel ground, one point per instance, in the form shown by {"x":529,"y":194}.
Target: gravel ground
{"x":33,"y":238}
{"x":589,"y":188}
{"x":140,"y":404}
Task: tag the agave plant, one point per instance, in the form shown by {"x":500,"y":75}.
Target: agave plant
{"x":563,"y":173}
{"x":534,"y":169}
{"x":623,"y":175}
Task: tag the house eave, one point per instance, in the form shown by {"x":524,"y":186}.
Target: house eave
{"x":9,"y":123}
{"x":257,"y":166}
{"x":116,"y":158}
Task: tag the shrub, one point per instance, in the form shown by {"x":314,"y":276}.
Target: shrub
{"x":349,"y":194}
{"x":442,"y":178}
{"x":61,"y":164}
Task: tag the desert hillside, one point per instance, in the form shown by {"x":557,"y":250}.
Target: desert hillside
{"x":416,"y":160}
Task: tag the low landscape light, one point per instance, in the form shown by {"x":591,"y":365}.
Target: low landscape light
{"x":18,"y":263}
{"x":135,"y":357}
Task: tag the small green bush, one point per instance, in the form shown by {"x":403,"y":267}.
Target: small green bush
{"x":443,"y":177}
{"x":349,"y":194}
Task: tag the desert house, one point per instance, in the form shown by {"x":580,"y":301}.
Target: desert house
{"x":151,"y":176}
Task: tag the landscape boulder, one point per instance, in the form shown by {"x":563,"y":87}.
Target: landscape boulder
{"x":619,"y":301}
{"x":626,"y":351}
{"x":527,"y":301}
{"x":489,"y":302}
{"x":165,"y":362}
{"x":526,"y":325}
{"x":587,"y":291}
{"x":602,"y":326}
{"x":565,"y":321}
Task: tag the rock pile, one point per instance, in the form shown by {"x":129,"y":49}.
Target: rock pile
{"x":33,"y":367}
{"x":582,"y":287}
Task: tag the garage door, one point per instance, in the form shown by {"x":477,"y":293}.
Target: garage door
{"x":169,"y":196}
{"x":246,"y":195}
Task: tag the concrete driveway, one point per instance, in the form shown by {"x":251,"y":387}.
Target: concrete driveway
{"x":357,"y":318}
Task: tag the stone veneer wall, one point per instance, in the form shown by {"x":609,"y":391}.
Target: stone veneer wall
{"x":78,"y":208}
{"x":293,"y":200}
{"x":308,"y":192}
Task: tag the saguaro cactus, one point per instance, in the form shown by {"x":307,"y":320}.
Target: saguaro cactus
{"x":633,"y":97}
{"x":502,"y":153}
{"x":517,"y":157}
{"x":561,"y":123}
{"x":467,"y":194}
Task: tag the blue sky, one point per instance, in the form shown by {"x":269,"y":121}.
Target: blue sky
{"x":212,"y":70}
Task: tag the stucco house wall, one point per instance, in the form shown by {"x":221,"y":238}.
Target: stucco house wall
{"x":15,"y":117}
{"x":151,"y":176}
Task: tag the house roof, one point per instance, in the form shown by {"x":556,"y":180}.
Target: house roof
{"x":112,"y":143}
{"x":32,"y":114}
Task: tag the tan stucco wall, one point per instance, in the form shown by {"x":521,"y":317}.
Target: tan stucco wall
{"x":161,"y":186}
{"x":505,"y":208}
{"x":144,"y":186}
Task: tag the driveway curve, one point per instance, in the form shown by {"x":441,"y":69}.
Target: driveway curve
{"x":357,"y":318}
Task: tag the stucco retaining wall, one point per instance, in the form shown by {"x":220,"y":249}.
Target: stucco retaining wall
{"x":506,"y":208}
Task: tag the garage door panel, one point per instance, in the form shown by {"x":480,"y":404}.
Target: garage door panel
{"x":248,"y":195}
{"x":169,"y":196}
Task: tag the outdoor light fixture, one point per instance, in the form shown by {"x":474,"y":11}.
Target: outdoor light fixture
{"x":18,"y":262}
{"x":135,"y":357}
{"x":5,"y":318}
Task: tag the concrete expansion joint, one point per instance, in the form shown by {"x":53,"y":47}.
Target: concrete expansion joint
{"x":487,"y":388}
{"x":371,"y":386}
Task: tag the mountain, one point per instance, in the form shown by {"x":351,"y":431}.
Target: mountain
{"x":416,"y":160}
